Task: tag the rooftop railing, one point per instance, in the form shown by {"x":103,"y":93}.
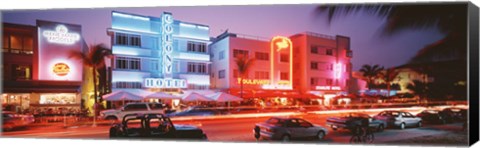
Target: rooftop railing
{"x":320,"y":35}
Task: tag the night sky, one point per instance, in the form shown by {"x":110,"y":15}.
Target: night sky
{"x":367,"y":43}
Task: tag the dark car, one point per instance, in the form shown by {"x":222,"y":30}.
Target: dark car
{"x":154,"y":126}
{"x":454,"y":114}
{"x":399,"y":119}
{"x":11,"y":120}
{"x":432,"y":116}
{"x":282,"y":128}
{"x":352,"y":120}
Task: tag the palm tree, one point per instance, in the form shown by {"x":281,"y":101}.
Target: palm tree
{"x":371,"y":73}
{"x":389,"y":76}
{"x":94,"y":59}
{"x":419,"y":88}
{"x":243,"y":64}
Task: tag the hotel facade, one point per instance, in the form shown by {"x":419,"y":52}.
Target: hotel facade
{"x":307,"y":63}
{"x":158,"y":54}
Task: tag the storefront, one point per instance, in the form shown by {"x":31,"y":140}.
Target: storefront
{"x":39,"y":80}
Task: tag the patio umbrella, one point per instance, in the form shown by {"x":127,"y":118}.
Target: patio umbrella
{"x":122,"y":96}
{"x":161,"y":95}
{"x":193,"y":96}
{"x":224,"y":97}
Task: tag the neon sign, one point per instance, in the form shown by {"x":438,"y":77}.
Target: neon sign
{"x":165,"y":83}
{"x":61,"y":35}
{"x":252,"y":81}
{"x":328,"y":88}
{"x":61,"y":69}
{"x":338,"y":70}
{"x":167,"y":40}
{"x":277,"y":45}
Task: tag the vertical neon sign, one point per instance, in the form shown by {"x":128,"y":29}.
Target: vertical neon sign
{"x":167,"y":41}
{"x":338,"y":70}
{"x":277,"y":45}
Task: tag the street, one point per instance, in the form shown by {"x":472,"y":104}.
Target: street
{"x":240,"y":130}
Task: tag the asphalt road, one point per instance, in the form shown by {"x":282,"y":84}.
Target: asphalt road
{"x":238,"y":130}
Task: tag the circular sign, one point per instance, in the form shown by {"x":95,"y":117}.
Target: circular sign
{"x":61,"y":69}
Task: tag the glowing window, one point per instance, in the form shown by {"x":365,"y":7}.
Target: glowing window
{"x":127,"y":63}
{"x":221,"y":74}
{"x":238,"y":52}
{"x":314,"y":65}
{"x":261,"y":56}
{"x":128,"y":39}
{"x":329,"y":52}
{"x":196,"y":47}
{"x":329,"y":81}
{"x":314,"y":50}
{"x":262,"y":75}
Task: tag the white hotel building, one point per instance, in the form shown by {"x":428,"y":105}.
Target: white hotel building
{"x":158,"y":53}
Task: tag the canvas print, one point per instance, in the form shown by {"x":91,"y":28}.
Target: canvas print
{"x":371,"y":74}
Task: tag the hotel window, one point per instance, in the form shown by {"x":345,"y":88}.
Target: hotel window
{"x":314,"y":81}
{"x":196,"y":67}
{"x":196,"y":47}
{"x":221,"y":74}
{"x":22,"y":72}
{"x":284,"y":58}
{"x":127,"y":63}
{"x":127,"y":39}
{"x":314,"y":49}
{"x":329,"y":82}
{"x":128,"y":85}
{"x":261,"y":75}
{"x":329,"y":52}
{"x":238,"y":52}
{"x":283,"y":75}
{"x":261,"y":56}
{"x":18,"y":43}
{"x":221,"y":55}
{"x":314,"y":65}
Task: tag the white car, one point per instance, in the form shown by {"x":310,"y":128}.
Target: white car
{"x":133,"y":108}
{"x":399,"y":119}
{"x":285,"y":129}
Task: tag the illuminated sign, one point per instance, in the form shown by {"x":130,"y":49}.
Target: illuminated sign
{"x":277,"y":45}
{"x":61,"y":69}
{"x":328,"y":88}
{"x":55,"y":43}
{"x":282,"y":87}
{"x":338,"y":70}
{"x":252,"y":81}
{"x":61,"y":35}
{"x":165,"y":83}
{"x":167,"y":40}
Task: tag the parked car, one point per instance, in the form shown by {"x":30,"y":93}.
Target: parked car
{"x":133,"y":108}
{"x":12,"y":120}
{"x":351,"y":120}
{"x":154,"y":126}
{"x":432,"y":116}
{"x":285,"y":129}
{"x":399,"y":119}
{"x":454,"y":114}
